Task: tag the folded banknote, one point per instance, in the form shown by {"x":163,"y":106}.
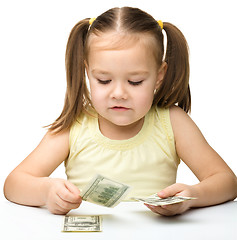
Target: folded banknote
{"x":157,"y":201}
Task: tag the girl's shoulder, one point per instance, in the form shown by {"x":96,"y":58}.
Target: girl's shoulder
{"x":179,"y":117}
{"x":184,"y":128}
{"x":177,"y":112}
{"x":83,"y":119}
{"x":81,"y":126}
{"x":162,"y":122}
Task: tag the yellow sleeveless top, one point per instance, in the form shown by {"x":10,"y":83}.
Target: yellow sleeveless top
{"x":147,"y":162}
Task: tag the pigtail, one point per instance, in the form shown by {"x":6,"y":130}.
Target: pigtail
{"x":77,"y":95}
{"x":175,"y":85}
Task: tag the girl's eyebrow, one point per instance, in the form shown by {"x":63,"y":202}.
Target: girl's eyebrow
{"x":98,"y":71}
{"x":138,"y":73}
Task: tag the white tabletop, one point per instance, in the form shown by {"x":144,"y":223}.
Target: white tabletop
{"x":129,"y":220}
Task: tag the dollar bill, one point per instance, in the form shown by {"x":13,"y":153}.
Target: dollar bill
{"x":82,"y":224}
{"x":157,"y":201}
{"x":104,"y":191}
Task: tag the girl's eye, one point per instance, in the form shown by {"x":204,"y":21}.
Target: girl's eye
{"x":135,"y":83}
{"x":103,"y":81}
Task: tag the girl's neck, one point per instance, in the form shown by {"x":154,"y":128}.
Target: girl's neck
{"x":115,"y":132}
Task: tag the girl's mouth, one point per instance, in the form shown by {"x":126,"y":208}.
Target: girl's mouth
{"x":119,"y":108}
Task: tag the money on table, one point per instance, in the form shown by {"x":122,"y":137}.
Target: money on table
{"x":104,"y":191}
{"x":82,"y":224}
{"x":157,"y":201}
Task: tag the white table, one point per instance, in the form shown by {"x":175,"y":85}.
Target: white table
{"x":129,"y":220}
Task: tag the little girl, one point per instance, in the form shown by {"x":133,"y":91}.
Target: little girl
{"x":132,"y":126}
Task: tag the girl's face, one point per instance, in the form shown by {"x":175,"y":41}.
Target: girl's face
{"x":122,"y":80}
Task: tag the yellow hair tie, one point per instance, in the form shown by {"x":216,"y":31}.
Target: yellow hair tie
{"x":160,"y":24}
{"x":91,"y":20}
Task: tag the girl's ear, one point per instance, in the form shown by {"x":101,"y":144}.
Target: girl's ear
{"x":161,"y":74}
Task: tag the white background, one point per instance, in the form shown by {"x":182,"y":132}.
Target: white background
{"x":33,"y":36}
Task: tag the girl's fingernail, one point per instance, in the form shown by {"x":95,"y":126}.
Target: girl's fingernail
{"x":161,"y":194}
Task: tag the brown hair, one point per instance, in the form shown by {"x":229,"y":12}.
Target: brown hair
{"x":175,"y":85}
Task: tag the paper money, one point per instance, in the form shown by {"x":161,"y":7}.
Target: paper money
{"x":82,"y":224}
{"x":157,"y":201}
{"x":104,"y":191}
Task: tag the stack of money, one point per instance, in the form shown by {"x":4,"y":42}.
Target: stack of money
{"x":104,"y":191}
{"x":82,"y":224}
{"x":157,"y":201}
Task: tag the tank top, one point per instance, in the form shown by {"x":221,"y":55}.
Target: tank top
{"x":147,"y":162}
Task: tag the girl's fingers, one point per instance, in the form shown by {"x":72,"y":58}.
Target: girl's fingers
{"x":72,"y":188}
{"x":169,"y":210}
{"x":65,"y":205}
{"x":160,"y":210}
{"x":70,"y":193}
{"x":171,"y":190}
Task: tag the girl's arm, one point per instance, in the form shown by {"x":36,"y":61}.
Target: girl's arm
{"x":29,"y":183}
{"x":218,"y":183}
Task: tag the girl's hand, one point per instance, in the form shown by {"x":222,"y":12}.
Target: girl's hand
{"x":62,"y":196}
{"x":177,"y":189}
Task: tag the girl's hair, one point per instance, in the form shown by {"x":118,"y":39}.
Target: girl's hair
{"x":174,"y":88}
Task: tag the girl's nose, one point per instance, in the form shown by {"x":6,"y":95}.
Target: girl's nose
{"x":119,"y":91}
